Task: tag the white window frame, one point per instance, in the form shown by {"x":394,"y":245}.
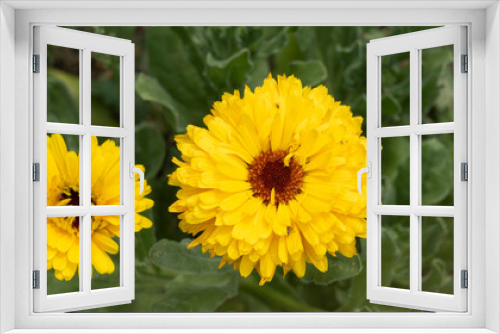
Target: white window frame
{"x":483,"y":21}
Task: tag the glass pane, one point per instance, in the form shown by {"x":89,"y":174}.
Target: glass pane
{"x":63,"y":254}
{"x":395,"y":171}
{"x":63,"y":170}
{"x":105,"y":76}
{"x":105,"y":252}
{"x":395,"y":104}
{"x":437,"y":254}
{"x":105,"y":171}
{"x":437,"y":84}
{"x":395,"y":252}
{"x":437,"y":169}
{"x":63,"y":85}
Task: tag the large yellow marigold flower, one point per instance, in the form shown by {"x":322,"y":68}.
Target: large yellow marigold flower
{"x":272,"y":181}
{"x":63,"y":243}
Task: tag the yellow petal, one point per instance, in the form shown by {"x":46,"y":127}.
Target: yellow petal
{"x":234,"y":201}
{"x":101,"y":261}
{"x":282,"y":250}
{"x":105,"y":243}
{"x":246,"y":266}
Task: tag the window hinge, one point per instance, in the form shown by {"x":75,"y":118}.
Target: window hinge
{"x":464,"y":171}
{"x":464,"y":279}
{"x":36,"y":279}
{"x":465,"y":64}
{"x":36,"y":172}
{"x":36,"y":63}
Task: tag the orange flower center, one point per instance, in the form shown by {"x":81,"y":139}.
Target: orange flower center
{"x":74,"y":200}
{"x":268,"y":172}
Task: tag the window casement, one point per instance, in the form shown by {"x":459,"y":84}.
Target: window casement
{"x":80,"y":210}
{"x":469,"y":305}
{"x":415,"y":44}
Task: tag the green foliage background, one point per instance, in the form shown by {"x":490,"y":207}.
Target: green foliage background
{"x":180,"y":72}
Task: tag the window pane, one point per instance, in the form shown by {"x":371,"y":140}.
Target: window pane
{"x":395,"y":171}
{"x":63,"y":254}
{"x":63,"y":85}
{"x":395,"y":252}
{"x":437,"y":254}
{"x":105,"y":251}
{"x":437,"y":84}
{"x":63,"y":170}
{"x":395,"y":104}
{"x":105,"y":85}
{"x":105,"y":171}
{"x":437,"y":169}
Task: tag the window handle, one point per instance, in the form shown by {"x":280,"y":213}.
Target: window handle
{"x":139,"y":171}
{"x":368,"y":171}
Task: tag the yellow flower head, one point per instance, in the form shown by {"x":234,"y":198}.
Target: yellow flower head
{"x":272,"y":181}
{"x":63,"y":189}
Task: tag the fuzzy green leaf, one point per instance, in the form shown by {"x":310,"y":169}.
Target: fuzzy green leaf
{"x":149,"y":89}
{"x":311,"y":72}
{"x":339,"y":268}
{"x":229,"y":73}
{"x":197,"y":293}
{"x":175,"y":257}
{"x":150,"y":148}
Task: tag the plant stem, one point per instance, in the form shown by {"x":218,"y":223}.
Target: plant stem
{"x":277,"y":298}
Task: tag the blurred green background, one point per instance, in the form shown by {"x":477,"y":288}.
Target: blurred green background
{"x":180,"y":72}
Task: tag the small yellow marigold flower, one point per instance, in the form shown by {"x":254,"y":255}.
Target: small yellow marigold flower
{"x":272,"y":181}
{"x":63,"y":236}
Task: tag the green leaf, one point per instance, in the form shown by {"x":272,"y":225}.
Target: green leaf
{"x":150,"y":148}
{"x":276,"y":40}
{"x":55,"y":286}
{"x":434,"y":229}
{"x":253,"y":304}
{"x":289,"y":53}
{"x":395,"y":153}
{"x":354,"y":297}
{"x":311,"y":72}
{"x":197,"y":293}
{"x":390,"y":106}
{"x":175,"y":257}
{"x":230,"y":72}
{"x":149,"y":89}
{"x":173,"y":63}
{"x":166,"y":195}
{"x":437,"y":175}
{"x":62,"y":97}
{"x":339,"y":268}
{"x":390,"y":256}
{"x":257,"y":73}
{"x":144,"y":240}
{"x":248,"y":36}
{"x":199,"y":285}
{"x":438,"y":280}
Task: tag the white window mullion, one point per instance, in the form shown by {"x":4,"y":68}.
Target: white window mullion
{"x":85,"y":175}
{"x":435,"y":128}
{"x":406,"y":210}
{"x":104,"y":131}
{"x":419,"y":129}
{"x":79,"y":130}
